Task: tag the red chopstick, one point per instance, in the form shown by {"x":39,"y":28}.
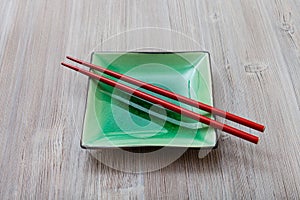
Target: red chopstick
{"x":168,"y":105}
{"x":174,"y":96}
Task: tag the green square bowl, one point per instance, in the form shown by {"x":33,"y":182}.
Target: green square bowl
{"x":116,"y":119}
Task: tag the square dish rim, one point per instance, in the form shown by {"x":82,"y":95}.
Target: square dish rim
{"x":144,"y":52}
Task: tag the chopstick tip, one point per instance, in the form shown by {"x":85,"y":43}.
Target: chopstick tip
{"x":74,"y":59}
{"x":63,"y":64}
{"x":70,"y":66}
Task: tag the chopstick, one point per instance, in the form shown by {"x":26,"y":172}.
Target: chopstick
{"x":174,"y":96}
{"x":168,"y":105}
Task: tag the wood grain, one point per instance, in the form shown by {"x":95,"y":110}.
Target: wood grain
{"x":255,"y":49}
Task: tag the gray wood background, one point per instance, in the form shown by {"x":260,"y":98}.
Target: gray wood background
{"x":255,"y":49}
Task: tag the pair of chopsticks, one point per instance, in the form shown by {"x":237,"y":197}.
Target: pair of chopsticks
{"x":168,"y":105}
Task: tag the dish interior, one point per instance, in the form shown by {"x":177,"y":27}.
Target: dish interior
{"x":114,"y":118}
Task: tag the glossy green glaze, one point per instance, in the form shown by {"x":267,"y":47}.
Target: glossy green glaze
{"x":116,"y":119}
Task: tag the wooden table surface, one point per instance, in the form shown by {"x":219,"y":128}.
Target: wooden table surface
{"x":255,"y":51}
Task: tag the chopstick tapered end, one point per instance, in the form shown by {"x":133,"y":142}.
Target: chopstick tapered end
{"x":70,"y":66}
{"x":74,"y":59}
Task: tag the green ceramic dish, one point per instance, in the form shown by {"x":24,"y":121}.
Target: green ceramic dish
{"x":116,"y":119}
